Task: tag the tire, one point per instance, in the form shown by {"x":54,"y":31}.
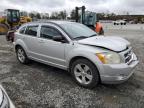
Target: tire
{"x":21,"y":55}
{"x":87,"y":76}
{"x":3,"y":29}
{"x":101,"y":32}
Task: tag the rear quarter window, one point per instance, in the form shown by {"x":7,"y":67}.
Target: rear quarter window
{"x":22,"y":30}
{"x":31,"y":30}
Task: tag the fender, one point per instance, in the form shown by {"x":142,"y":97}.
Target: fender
{"x":22,"y":44}
{"x":90,"y":55}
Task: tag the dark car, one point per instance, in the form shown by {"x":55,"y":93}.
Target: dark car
{"x":10,"y":34}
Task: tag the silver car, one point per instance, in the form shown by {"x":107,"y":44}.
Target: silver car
{"x":5,"y":101}
{"x":74,"y":47}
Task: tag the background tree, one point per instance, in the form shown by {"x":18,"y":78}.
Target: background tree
{"x":54,"y":15}
{"x":38,"y":16}
{"x":62,"y":15}
{"x":32,"y":15}
{"x":73,"y":14}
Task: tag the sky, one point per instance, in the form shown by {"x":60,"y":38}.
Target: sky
{"x":107,"y":6}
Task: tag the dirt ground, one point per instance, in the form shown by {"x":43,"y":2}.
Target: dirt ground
{"x":40,"y":86}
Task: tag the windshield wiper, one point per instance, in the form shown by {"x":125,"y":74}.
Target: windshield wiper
{"x":83,"y":37}
{"x":80,"y":37}
{"x":93,"y":35}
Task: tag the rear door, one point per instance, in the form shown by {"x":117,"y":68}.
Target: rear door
{"x":31,"y":40}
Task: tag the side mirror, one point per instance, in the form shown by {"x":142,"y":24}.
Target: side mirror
{"x":59,"y":39}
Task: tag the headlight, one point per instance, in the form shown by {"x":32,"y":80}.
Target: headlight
{"x":109,"y":58}
{"x":5,"y":101}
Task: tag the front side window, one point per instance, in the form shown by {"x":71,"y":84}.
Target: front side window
{"x":49,"y":32}
{"x":31,"y":30}
{"x":15,"y":14}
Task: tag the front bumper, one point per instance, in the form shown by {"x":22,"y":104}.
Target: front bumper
{"x":118,"y":73}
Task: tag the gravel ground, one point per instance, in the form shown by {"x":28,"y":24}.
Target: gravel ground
{"x":40,"y":86}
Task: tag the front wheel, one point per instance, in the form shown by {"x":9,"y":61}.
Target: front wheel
{"x":85,"y":73}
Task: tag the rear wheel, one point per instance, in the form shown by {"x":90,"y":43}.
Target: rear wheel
{"x":21,"y":55}
{"x":101,"y":32}
{"x":3,"y":29}
{"x":85,"y":73}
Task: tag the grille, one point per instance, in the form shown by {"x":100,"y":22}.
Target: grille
{"x":128,"y":56}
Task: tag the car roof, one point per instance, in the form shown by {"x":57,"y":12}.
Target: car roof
{"x":58,"y":22}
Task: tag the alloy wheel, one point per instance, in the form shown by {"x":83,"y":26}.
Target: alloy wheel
{"x":83,"y":73}
{"x":21,"y":55}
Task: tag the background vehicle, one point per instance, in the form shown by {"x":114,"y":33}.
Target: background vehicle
{"x":11,"y":19}
{"x":119,"y":22}
{"x":89,"y":19}
{"x":5,"y":101}
{"x":89,"y":58}
{"x":24,"y":18}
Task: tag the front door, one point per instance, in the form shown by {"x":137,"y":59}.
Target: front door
{"x":51,"y":51}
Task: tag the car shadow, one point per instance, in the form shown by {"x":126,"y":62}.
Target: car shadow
{"x":67,"y":76}
{"x":63,"y":79}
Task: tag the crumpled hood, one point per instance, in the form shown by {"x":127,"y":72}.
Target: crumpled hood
{"x":109,"y":42}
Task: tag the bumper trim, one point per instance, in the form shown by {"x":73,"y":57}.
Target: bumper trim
{"x":120,"y":73}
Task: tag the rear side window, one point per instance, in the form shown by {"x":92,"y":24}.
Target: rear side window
{"x":49,"y":32}
{"x":22,"y":30}
{"x":31,"y":30}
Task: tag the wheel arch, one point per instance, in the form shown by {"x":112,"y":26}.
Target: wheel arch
{"x":75,"y":58}
{"x":82,"y":57}
{"x":26,"y":60}
{"x":16,"y":46}
{"x":19,"y":42}
{"x":19,"y":45}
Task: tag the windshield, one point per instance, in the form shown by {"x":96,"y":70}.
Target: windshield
{"x":15,"y":14}
{"x":78,"y":31}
